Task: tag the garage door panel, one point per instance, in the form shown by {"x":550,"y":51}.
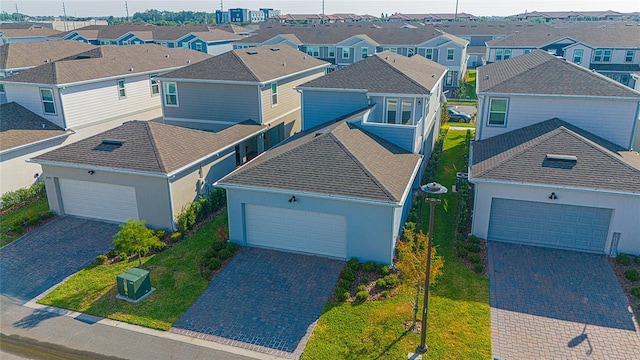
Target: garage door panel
{"x":554,"y":225}
{"x":98,"y":200}
{"x":296,"y":230}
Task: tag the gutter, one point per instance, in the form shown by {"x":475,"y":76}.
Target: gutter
{"x":547,"y":186}
{"x":101,"y":168}
{"x":566,"y":96}
{"x":303,"y":88}
{"x":20,"y":147}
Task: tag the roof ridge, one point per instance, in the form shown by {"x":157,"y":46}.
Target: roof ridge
{"x":523,"y":71}
{"x":154,"y":146}
{"x":403,"y":74}
{"x":244,"y":65}
{"x":362,"y":166}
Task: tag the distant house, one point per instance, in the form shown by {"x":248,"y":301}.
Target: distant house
{"x":255,"y":84}
{"x":551,"y":163}
{"x":18,"y":33}
{"x":140,"y":170}
{"x":548,"y":16}
{"x":98,"y":85}
{"x":448,"y":17}
{"x":613,"y":51}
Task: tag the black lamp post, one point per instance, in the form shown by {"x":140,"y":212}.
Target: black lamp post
{"x":430,"y":188}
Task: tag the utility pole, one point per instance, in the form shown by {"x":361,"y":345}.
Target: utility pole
{"x":126,"y":7}
{"x":455,"y":16}
{"x":18,"y":12}
{"x":322,"y":12}
{"x":221,"y":7}
{"x":64,"y":11}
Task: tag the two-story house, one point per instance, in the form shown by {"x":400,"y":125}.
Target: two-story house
{"x":20,"y":33}
{"x":342,"y":187}
{"x":255,"y":84}
{"x":552,"y":163}
{"x":611,"y":50}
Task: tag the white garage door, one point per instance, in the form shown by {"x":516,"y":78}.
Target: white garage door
{"x":553,"y":225}
{"x":98,"y":200}
{"x":296,"y":230}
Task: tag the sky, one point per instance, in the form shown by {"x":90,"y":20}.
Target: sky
{"x":88,"y":8}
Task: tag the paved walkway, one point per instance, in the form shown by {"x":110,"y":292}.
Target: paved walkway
{"x":557,"y":304}
{"x":264,"y":300}
{"x":44,"y":257}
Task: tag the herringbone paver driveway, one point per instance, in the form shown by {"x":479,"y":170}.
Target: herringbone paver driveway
{"x":557,"y":304}
{"x":44,"y":257}
{"x":263,"y":300}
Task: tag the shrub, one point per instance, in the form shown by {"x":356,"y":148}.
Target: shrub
{"x":381,"y":284}
{"x":217,"y":245}
{"x":349,"y":274}
{"x":20,"y":196}
{"x":384,"y":270}
{"x":384,"y":294}
{"x":47,"y":215}
{"x":353,"y":264}
{"x":232,"y":247}
{"x":175,"y":237}
{"x":17,"y":229}
{"x":123,"y":256}
{"x":362,"y":288}
{"x":391,"y":281}
{"x":635,"y":291}
{"x":474,"y":258}
{"x":637,"y":260}
{"x":160,"y":234}
{"x":223,"y":233}
{"x":632,"y":274}
{"x":343,"y":283}
{"x":463,"y":252}
{"x":160,"y":246}
{"x":33,"y":221}
{"x":473,"y":248}
{"x":101,"y":259}
{"x":362,"y":295}
{"x":135,"y":238}
{"x":210,"y":253}
{"x":474,"y":239}
{"x":225,"y":254}
{"x":369,"y":266}
{"x":623,"y":259}
{"x":478,"y":268}
{"x":341,"y":294}
{"x":213,"y":263}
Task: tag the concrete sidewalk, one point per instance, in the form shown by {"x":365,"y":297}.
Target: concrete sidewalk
{"x":108,"y":337}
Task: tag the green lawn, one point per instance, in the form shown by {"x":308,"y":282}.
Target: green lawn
{"x":470,"y":90}
{"x":459,"y":318}
{"x":17,"y":217}
{"x":175,"y":273}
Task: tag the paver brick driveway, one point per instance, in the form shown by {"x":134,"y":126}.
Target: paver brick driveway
{"x":44,"y":257}
{"x":263,"y":300}
{"x":557,"y":304}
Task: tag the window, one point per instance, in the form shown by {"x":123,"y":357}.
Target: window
{"x":274,"y":94}
{"x":392,"y":110}
{"x":1,"y":88}
{"x":345,"y":53}
{"x":498,"y":112}
{"x":503,"y":54}
{"x":552,"y":51}
{"x":313,"y":51}
{"x":332,"y":51}
{"x":450,"y":77}
{"x":121,"y":91}
{"x":602,"y":55}
{"x":406,"y":112}
{"x":628,"y":57}
{"x":577,"y":56}
{"x":170,"y":93}
{"x":410,"y":52}
{"x":428,"y":53}
{"x":526,"y":51}
{"x":365,"y":52}
{"x":47,"y":101}
{"x":184,"y":45}
{"x":155,"y":88}
{"x":393,"y":50}
{"x":450,"y":53}
{"x":199,"y":46}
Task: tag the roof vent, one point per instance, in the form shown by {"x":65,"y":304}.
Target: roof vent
{"x":112,"y":142}
{"x":47,"y":60}
{"x":561,"y":157}
{"x":130,"y":69}
{"x":433,"y":75}
{"x":275,"y":49}
{"x":486,"y":77}
{"x":252,"y":52}
{"x":284,"y":64}
{"x":166,"y":55}
{"x":188,"y":61}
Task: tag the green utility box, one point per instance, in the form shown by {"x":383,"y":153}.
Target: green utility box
{"x":133,"y":284}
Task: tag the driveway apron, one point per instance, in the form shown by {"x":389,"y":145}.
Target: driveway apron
{"x":263,"y":300}
{"x":557,"y":304}
{"x":44,"y":257}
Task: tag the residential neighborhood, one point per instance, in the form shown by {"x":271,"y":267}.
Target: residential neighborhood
{"x":233,"y":183}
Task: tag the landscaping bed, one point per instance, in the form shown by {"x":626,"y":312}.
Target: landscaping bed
{"x":23,"y":219}
{"x":627,"y":269}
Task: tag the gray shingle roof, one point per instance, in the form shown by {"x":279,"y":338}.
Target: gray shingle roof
{"x":108,"y":61}
{"x":384,"y":72}
{"x":145,"y":31}
{"x":339,"y":159}
{"x":33,"y":31}
{"x":520,"y":156}
{"x":258,"y":64}
{"x":149,"y":146}
{"x":29,"y":54}
{"x":19,"y":126}
{"x":542,"y":73}
{"x":617,"y":36}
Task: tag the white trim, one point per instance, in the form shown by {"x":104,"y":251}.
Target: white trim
{"x":427,"y":95}
{"x":330,"y":89}
{"x":551,"y":186}
{"x":19,"y":147}
{"x":199,"y":121}
{"x":92,"y":167}
{"x":490,"y":94}
{"x":283,"y":115}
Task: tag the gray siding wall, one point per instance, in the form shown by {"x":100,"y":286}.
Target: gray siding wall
{"x":29,"y":96}
{"x":321,"y":106}
{"x":401,"y":135}
{"x":225,"y":103}
{"x":370,"y":228}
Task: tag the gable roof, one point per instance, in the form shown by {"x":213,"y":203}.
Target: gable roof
{"x":384,"y":72}
{"x":149,"y":147}
{"x":20,"y":126}
{"x":216,"y":35}
{"x":337,"y":160}
{"x":542,"y":73}
{"x":259,"y":64}
{"x":30,"y":54}
{"x":109,"y":61}
{"x":144,"y":31}
{"x":609,"y":37}
{"x":33,"y":31}
{"x":520,"y":156}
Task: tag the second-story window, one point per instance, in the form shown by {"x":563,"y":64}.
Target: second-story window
{"x":392,"y":110}
{"x":170,"y":93}
{"x":428,"y":53}
{"x":365,"y":52}
{"x":602,"y":55}
{"x":577,"y":56}
{"x":410,"y":52}
{"x":345,"y":53}
{"x":503,"y":54}
{"x":199,"y":46}
{"x":332,"y":51}
{"x":122,"y":93}
{"x":155,"y":87}
{"x":313,"y":51}
{"x":406,"y":112}
{"x":628,"y":57}
{"x":47,"y":101}
{"x":450,"y":53}
{"x":274,"y":94}
{"x":526,"y":51}
{"x":498,"y":112}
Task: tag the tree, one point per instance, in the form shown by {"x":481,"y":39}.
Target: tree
{"x":135,"y":237}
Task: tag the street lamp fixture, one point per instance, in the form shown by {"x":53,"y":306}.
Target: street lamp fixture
{"x":437,"y":189}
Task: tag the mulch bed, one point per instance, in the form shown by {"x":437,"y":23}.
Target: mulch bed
{"x":627,"y":284}
{"x":368,"y":279}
